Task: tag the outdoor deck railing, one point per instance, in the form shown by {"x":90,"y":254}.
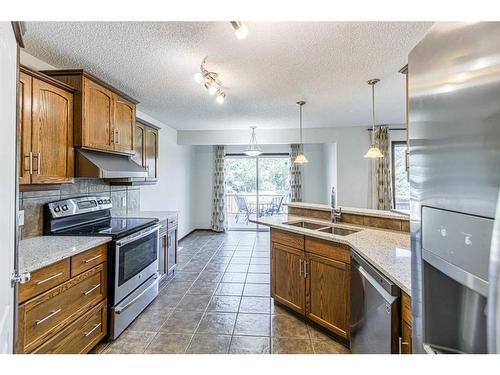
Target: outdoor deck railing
{"x":232,"y":207}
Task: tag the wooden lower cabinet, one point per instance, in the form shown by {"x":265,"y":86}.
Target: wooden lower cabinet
{"x":69,"y":317}
{"x":288,"y":282}
{"x":80,"y":336}
{"x":327,"y":293}
{"x":406,"y":324}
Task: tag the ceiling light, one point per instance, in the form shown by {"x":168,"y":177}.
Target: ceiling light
{"x":253,"y":148}
{"x":373,"y":152}
{"x":240,"y":30}
{"x":220,"y":97}
{"x":198,"y":77}
{"x":300,"y":158}
{"x":210,"y":81}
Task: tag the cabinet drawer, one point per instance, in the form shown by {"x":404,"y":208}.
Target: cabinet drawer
{"x":44,"y":279}
{"x":172,"y":222}
{"x":46,"y":314}
{"x":287,"y":238}
{"x":88,"y":259}
{"x":406,"y":307}
{"x":328,"y":249}
{"x":80,"y":336}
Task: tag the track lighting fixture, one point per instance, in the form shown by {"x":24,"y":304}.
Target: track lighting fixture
{"x":211,"y":82}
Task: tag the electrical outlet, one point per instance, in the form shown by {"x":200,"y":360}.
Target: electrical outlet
{"x":124,"y":202}
{"x":20,"y":218}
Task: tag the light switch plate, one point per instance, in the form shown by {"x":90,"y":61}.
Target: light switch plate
{"x":20,"y":217}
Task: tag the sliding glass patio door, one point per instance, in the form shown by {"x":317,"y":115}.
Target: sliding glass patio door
{"x":255,"y":186}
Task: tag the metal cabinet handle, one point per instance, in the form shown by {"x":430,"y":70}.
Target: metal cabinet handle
{"x":300,"y":267}
{"x":38,"y":322}
{"x":91,"y":290}
{"x":30,"y":160}
{"x":306,"y":272}
{"x":92,"y":259}
{"x":113,"y":135}
{"x":117,"y":136}
{"x":49,"y":278}
{"x":87,"y":334}
{"x":38,"y":164}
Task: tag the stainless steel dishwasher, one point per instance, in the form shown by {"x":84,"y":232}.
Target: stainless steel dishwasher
{"x":374,"y":322}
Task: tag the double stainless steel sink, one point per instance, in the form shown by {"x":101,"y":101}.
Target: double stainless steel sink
{"x":332,"y":229}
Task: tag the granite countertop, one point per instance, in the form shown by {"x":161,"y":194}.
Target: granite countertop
{"x":351,"y":210}
{"x":160,"y":215}
{"x":38,"y":252}
{"x":388,"y":251}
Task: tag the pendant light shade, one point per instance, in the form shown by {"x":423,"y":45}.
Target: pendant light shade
{"x":373,"y":152}
{"x":300,"y":158}
{"x":253,"y":148}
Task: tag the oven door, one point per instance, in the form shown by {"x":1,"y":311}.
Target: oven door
{"x":136,"y":260}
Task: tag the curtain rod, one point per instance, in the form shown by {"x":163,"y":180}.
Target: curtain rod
{"x":370,"y":129}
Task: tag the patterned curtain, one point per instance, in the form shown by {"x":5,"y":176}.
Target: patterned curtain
{"x":383,"y":170}
{"x":219,"y":217}
{"x":295,"y":175}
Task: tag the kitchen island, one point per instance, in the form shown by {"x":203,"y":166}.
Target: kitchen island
{"x":314,"y":273}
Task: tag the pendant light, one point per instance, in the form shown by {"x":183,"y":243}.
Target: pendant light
{"x":253,"y":148}
{"x":300,"y":158}
{"x":373,"y":152}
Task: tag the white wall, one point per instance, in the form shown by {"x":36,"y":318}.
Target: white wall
{"x":174,"y":188}
{"x":313,"y":174}
{"x":8,"y":203}
{"x":330,"y":168}
{"x":353,"y":171}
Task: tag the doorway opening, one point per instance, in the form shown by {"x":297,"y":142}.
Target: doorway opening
{"x":255,"y":187}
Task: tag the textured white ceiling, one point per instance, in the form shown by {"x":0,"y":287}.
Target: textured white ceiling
{"x":325,"y":63}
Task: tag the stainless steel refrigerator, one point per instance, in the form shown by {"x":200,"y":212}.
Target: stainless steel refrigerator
{"x":454,"y":120}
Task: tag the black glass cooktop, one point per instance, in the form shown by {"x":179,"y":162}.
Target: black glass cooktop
{"x":114,"y":227}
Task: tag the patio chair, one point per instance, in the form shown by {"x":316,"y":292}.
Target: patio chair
{"x":275,"y":205}
{"x":243,"y":209}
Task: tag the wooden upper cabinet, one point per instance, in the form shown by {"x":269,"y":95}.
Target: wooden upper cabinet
{"x":139,"y":156}
{"x":124,"y":125}
{"x":26,"y":155}
{"x":46,"y":130}
{"x":151,"y":154}
{"x":104,"y":116}
{"x":146,"y":148}
{"x":98,"y":117}
{"x":288,"y":284}
{"x":327,"y":293}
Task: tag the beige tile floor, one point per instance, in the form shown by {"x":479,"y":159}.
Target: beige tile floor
{"x":219,"y":302}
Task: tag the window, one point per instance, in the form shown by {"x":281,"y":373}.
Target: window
{"x":400,"y":184}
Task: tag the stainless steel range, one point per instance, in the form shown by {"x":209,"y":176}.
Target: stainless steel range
{"x":133,"y":253}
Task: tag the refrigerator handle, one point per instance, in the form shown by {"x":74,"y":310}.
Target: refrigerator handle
{"x":493,"y":310}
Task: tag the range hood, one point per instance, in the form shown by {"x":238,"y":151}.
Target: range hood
{"x":114,"y":168}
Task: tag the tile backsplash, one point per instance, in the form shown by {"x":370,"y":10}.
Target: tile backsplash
{"x":126,"y":201}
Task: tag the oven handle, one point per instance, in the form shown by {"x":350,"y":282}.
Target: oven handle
{"x":136,"y":237}
{"x":120,"y":309}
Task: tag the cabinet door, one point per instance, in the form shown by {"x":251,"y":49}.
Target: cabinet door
{"x":98,"y":117}
{"x":151,"y":148}
{"x":327,"y":293}
{"x":139,"y":143}
{"x":25,"y":82}
{"x":406,"y":337}
{"x":171,"y":250}
{"x":288,"y":283}
{"x":52,"y":134}
{"x":124,"y":125}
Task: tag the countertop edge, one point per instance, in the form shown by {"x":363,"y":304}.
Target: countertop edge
{"x":64,"y":254}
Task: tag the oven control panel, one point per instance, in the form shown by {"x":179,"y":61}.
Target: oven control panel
{"x":75,"y":206}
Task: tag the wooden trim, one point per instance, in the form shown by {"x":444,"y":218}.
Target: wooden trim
{"x":47,"y":79}
{"x":86,"y":74}
{"x":19,"y":30}
{"x":147,"y":123}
